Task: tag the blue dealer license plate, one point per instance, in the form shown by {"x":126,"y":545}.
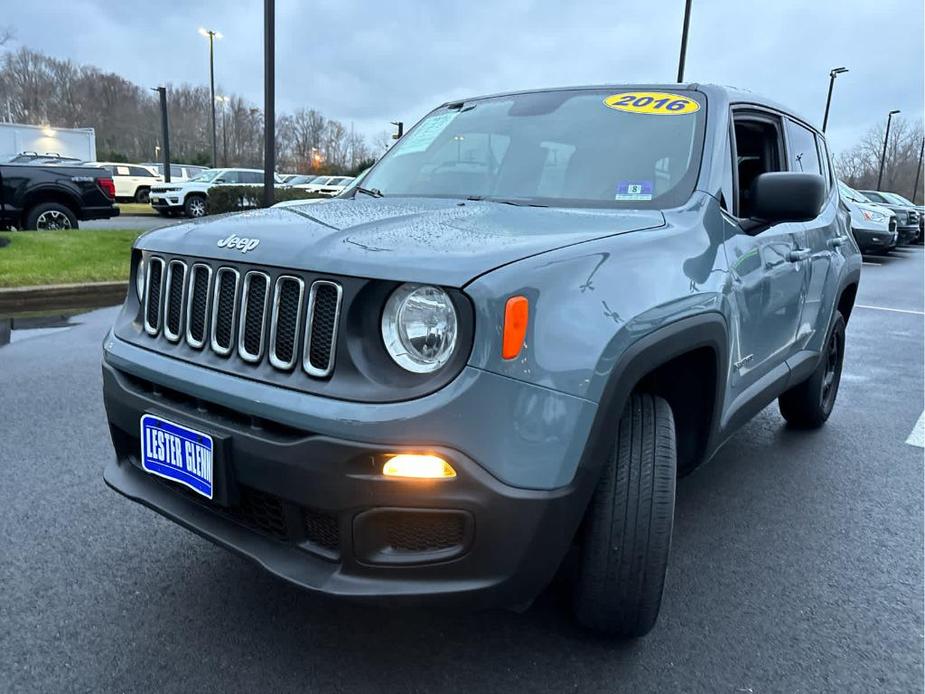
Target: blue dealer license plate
{"x":177,"y":453}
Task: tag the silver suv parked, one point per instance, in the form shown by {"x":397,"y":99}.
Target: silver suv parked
{"x":530,"y":315}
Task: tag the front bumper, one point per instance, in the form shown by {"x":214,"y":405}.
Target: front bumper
{"x":164,"y":201}
{"x":314,"y":510}
{"x":874,"y":239}
{"x":908,"y":233}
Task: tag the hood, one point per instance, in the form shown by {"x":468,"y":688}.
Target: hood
{"x":437,"y":241}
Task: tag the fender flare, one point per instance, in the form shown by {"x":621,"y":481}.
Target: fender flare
{"x":643,"y":356}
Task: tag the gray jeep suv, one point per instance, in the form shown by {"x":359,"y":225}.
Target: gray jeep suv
{"x":533,"y":313}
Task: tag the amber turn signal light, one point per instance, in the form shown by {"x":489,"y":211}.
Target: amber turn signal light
{"x":516,"y":312}
{"x":429,"y":467}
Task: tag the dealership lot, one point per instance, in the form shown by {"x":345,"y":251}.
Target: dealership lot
{"x":796,"y":566}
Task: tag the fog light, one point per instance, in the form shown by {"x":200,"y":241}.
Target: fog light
{"x":429,"y":467}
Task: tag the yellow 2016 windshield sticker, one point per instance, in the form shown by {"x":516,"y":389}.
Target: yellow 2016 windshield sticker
{"x":652,"y":103}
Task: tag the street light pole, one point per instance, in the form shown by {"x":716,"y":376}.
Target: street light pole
{"x":165,"y":131}
{"x":885,"y":140}
{"x":687,"y":23}
{"x":269,"y":96}
{"x":918,"y":170}
{"x":828,"y":100}
{"x":212,"y":35}
{"x":224,"y":101}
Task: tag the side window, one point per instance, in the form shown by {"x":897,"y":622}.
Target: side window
{"x":804,"y":157}
{"x":230,"y":177}
{"x":252,"y":177}
{"x":140,"y":171}
{"x":122,"y":171}
{"x":758,"y":150}
{"x":176,"y":171}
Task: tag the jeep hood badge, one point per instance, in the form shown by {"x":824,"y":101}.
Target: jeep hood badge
{"x":240,"y":243}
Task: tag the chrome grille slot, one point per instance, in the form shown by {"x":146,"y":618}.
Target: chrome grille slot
{"x":285,"y":321}
{"x":254,"y":299}
{"x":247,"y":312}
{"x":174,"y":294}
{"x":197,"y":305}
{"x":224,"y":310}
{"x":322,"y":315}
{"x":154,"y":285}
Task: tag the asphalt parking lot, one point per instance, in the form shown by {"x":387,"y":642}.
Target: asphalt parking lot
{"x":796,"y":566}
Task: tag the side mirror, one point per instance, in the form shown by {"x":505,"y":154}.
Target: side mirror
{"x":220,"y":180}
{"x":786,"y":196}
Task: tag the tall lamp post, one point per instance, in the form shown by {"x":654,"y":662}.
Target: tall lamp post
{"x":212,"y":35}
{"x":918,"y":170}
{"x":224,"y":100}
{"x":687,"y":23}
{"x":165,"y":131}
{"x":269,"y":100}
{"x":886,"y":139}
{"x":828,"y":100}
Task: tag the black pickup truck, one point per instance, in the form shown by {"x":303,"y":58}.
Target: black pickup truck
{"x":54,"y":197}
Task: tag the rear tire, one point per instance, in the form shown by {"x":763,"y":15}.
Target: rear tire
{"x":809,"y":404}
{"x":142,"y":195}
{"x":626,"y":536}
{"x":51,"y":216}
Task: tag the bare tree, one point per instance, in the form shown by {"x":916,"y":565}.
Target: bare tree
{"x":859,"y":166}
{"x":42,"y":90}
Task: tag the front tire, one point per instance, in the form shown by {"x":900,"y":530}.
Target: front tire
{"x":195,"y":206}
{"x":51,"y":216}
{"x":808,"y":405}
{"x":626,"y":536}
{"x":142,"y":195}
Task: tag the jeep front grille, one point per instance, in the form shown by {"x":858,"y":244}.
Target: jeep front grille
{"x":252,"y":314}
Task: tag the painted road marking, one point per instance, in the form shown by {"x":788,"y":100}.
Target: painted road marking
{"x":867,"y":262}
{"x":892,"y":310}
{"x":917,"y":436}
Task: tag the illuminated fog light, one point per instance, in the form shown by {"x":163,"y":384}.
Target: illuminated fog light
{"x":430,"y":467}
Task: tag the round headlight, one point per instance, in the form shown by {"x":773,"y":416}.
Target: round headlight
{"x":140,"y":280}
{"x":419,"y":327}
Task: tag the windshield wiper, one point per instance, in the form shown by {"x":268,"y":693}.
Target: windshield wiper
{"x":372,"y":192}
{"x":517,"y":202}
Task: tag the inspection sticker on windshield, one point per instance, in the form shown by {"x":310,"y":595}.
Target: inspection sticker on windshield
{"x":634,"y":190}
{"x":652,"y":103}
{"x":425,"y":132}
{"x":177,"y":453}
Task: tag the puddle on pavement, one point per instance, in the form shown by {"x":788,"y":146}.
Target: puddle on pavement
{"x":26,"y":326}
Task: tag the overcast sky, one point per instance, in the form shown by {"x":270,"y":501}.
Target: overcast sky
{"x":372,"y":62}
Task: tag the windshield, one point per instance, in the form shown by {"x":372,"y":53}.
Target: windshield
{"x":898,"y":199}
{"x":206,"y":176}
{"x":851,"y":194}
{"x":300,"y":180}
{"x":566,"y":148}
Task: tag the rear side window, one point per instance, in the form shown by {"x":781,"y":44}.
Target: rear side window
{"x":140,"y":171}
{"x":122,"y":171}
{"x":803,"y":154}
{"x":827,"y":172}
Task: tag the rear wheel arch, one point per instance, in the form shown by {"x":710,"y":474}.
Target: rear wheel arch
{"x":42,"y":195}
{"x":846,"y":299}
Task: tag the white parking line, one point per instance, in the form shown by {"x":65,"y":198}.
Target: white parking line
{"x":892,"y":310}
{"x":867,"y":262}
{"x":917,"y":436}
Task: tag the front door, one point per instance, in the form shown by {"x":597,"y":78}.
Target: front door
{"x":769,"y":270}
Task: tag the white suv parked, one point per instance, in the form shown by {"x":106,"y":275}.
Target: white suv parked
{"x":133,"y":181}
{"x":191,"y":197}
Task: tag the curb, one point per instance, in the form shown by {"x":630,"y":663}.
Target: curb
{"x":61,"y":296}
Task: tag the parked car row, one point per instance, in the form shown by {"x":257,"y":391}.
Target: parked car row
{"x":190,"y":197}
{"x":880,"y":220}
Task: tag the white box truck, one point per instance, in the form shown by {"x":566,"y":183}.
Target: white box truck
{"x":76,"y":143}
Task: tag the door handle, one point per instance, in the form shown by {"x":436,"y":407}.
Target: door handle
{"x":798,"y":254}
{"x":838,"y":241}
